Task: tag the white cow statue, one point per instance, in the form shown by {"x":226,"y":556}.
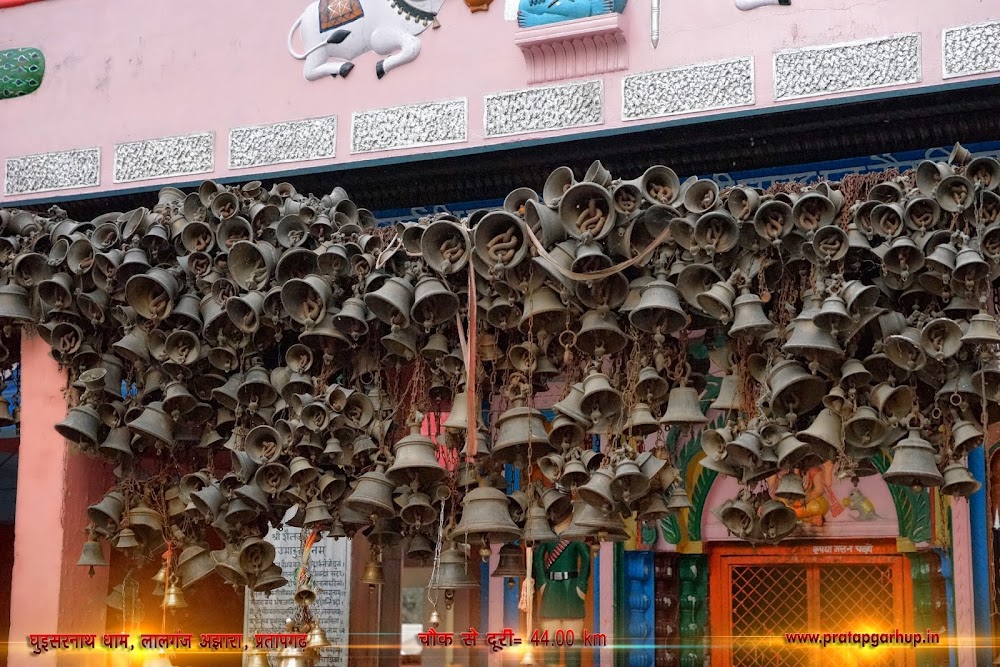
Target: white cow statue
{"x":387,"y":27}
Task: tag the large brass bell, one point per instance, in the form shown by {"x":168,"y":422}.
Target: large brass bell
{"x":794,"y":388}
{"x":825,"y":435}
{"x":913,"y":463}
{"x":372,"y":495}
{"x":519,"y":428}
{"x":433,"y":302}
{"x":659,"y":309}
{"x":194,"y":564}
{"x":683,"y":408}
{"x":485,"y":518}
{"x":738,"y":516}
{"x":749,"y":319}
{"x":415,"y":460}
{"x":776,"y":519}
{"x":600,"y":401}
{"x":629,"y":483}
{"x":511,"y":565}
{"x":598,"y":491}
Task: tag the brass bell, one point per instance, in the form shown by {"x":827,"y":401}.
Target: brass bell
{"x":372,"y":495}
{"x":537,"y":528}
{"x":982,"y":330}
{"x":905,"y":349}
{"x":984,"y":172}
{"x":433,"y":302}
{"x":208,"y":500}
{"x":605,"y":527}
{"x":92,"y":556}
{"x":641,"y":422}
{"x":317,"y":514}
{"x":293,"y":657}
{"x":587,"y":211}
{"x":678,"y":498}
{"x":570,"y":405}
{"x":174,"y":597}
{"x":958,"y":481}
{"x":966,"y":436}
{"x":194,"y":564}
{"x":551,"y":466}
{"x":790,"y":488}
{"x":519,"y":428}
{"x":445,"y":246}
{"x":392,"y":302}
{"x":257,"y":658}
{"x":738,"y":516}
{"x":557,"y":505}
{"x":653,"y":508}
{"x":749,"y":319}
{"x":558,"y":182}
{"x":793,"y":387}
{"x":683,"y":408}
{"x":745,"y":450}
{"x":416,"y":459}
{"x":600,"y":334}
{"x":955,"y":193}
{"x":600,"y":401}
{"x":865,"y":429}
{"x":718,"y":301}
{"x":810,"y":341}
{"x":659,"y":309}
{"x":498,"y":240}
{"x":913,"y":463}
{"x":453,"y":572}
{"x":317,"y":638}
{"x":894,"y":403}
{"x":485,"y":518}
{"x":227,"y":564}
{"x":834,"y":316}
{"x":825,"y":435}
{"x":420,"y":548}
{"x":651,"y":387}
{"x":598,"y":492}
{"x":81,"y":426}
{"x":574,"y":474}
{"x":776,"y":519}
{"x":374,"y":574}
{"x":629,"y":483}
{"x":511,"y":565}
{"x":941,"y":338}
{"x":418,"y":510}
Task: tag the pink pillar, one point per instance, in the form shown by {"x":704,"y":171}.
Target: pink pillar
{"x":50,"y":594}
{"x":965,"y":620}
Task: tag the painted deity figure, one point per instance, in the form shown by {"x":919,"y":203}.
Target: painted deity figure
{"x":818,"y":485}
{"x":533,"y":13}
{"x":563,"y":570}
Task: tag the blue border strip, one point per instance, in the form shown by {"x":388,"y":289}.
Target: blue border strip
{"x":542,"y":141}
{"x":980,"y":553}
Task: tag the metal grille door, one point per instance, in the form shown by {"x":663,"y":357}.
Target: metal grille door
{"x":766,"y":602}
{"x":759,"y":596}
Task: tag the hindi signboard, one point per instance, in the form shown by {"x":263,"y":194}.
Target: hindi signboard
{"x":330,"y":566}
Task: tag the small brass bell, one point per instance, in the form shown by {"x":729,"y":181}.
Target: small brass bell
{"x":738,"y":516}
{"x":174,"y":596}
{"x":92,"y":556}
{"x":790,"y":488}
{"x":257,"y":658}
{"x":776,"y":519}
{"x":958,"y":481}
{"x":126,"y":539}
{"x":825,"y":435}
{"x":653,"y":508}
{"x":316,"y":638}
{"x":982,"y":330}
{"x":629,"y":483}
{"x":485,"y":518}
{"x":511,"y":565}
{"x":453,"y":572}
{"x":537,"y":528}
{"x":597,"y":491}
{"x":678,"y":498}
{"x":683,"y":408}
{"x":293,"y":657}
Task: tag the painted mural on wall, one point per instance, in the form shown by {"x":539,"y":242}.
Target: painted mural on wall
{"x":336,"y":32}
{"x":534,"y":13}
{"x":21,"y":71}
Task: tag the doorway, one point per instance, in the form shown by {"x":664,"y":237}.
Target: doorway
{"x":758,"y":596}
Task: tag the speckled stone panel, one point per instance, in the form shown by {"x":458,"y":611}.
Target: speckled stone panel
{"x":689,"y":89}
{"x":971,"y":49}
{"x":53,"y":171}
{"x":889,"y":61}
{"x":167,"y":156}
{"x":292,"y":141}
{"x":541,"y":109}
{"x":410,"y":126}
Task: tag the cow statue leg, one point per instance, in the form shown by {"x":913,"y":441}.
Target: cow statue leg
{"x":386,"y":41}
{"x":318,"y":65}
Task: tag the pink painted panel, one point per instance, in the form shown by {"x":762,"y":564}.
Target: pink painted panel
{"x":118,"y":73}
{"x":857,"y":519}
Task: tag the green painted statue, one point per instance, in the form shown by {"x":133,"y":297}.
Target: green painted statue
{"x":563,"y":570}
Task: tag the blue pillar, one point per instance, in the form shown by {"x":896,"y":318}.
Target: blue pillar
{"x":949,"y":589}
{"x":981,"y":527}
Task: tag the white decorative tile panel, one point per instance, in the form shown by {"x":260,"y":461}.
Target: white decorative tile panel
{"x":163,"y":157}
{"x":411,"y":126}
{"x":689,"y":89}
{"x":971,"y":49}
{"x":291,"y":141}
{"x":838,"y":68}
{"x":543,"y":109}
{"x":79,"y":168}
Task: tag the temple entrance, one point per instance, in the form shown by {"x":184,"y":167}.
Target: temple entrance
{"x":759,"y":595}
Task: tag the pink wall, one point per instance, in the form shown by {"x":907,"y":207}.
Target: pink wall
{"x":117,"y":74}
{"x":50,"y":594}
